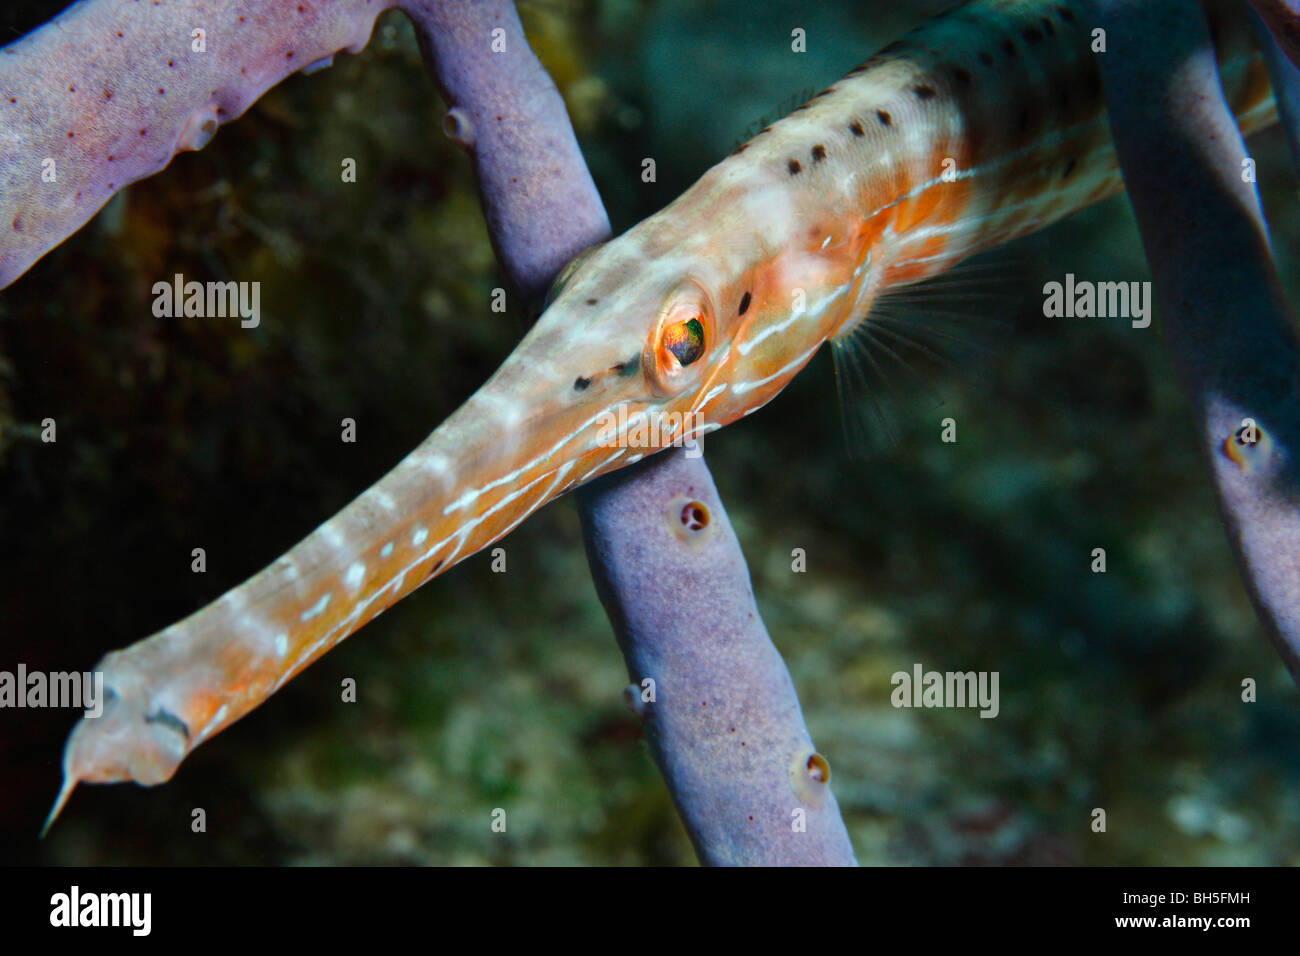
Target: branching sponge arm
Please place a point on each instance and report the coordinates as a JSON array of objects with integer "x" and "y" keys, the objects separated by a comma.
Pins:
[
  {"x": 725, "y": 725},
  {"x": 720, "y": 710},
  {"x": 1232, "y": 335},
  {"x": 107, "y": 93}
]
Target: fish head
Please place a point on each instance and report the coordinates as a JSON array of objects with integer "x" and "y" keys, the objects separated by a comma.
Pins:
[{"x": 673, "y": 334}]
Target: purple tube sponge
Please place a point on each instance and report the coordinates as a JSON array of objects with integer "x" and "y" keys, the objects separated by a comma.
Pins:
[
  {"x": 1231, "y": 333},
  {"x": 720, "y": 710},
  {"x": 107, "y": 93},
  {"x": 724, "y": 724}
]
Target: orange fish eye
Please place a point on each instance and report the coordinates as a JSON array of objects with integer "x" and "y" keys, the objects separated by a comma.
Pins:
[
  {"x": 685, "y": 340},
  {"x": 674, "y": 354}
]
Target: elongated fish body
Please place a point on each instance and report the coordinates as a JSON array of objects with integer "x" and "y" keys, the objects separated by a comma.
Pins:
[{"x": 983, "y": 125}]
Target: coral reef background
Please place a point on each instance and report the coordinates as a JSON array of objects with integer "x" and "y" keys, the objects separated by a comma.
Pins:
[{"x": 1118, "y": 690}]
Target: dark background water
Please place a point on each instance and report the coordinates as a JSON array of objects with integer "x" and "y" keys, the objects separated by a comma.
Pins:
[{"x": 485, "y": 690}]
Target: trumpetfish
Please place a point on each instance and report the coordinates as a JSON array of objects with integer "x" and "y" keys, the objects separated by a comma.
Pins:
[{"x": 981, "y": 125}]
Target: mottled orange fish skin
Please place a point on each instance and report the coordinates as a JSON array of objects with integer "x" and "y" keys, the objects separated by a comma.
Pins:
[{"x": 982, "y": 125}]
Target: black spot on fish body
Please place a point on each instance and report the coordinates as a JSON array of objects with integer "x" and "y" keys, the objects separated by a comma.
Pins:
[
  {"x": 885, "y": 118},
  {"x": 1009, "y": 48},
  {"x": 924, "y": 91},
  {"x": 580, "y": 383},
  {"x": 794, "y": 167},
  {"x": 1032, "y": 34},
  {"x": 744, "y": 304},
  {"x": 818, "y": 153},
  {"x": 961, "y": 75},
  {"x": 856, "y": 128},
  {"x": 1069, "y": 167},
  {"x": 986, "y": 58}
]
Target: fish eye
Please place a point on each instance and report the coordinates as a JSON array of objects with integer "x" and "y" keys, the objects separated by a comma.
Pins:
[
  {"x": 681, "y": 339},
  {"x": 685, "y": 340}
]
